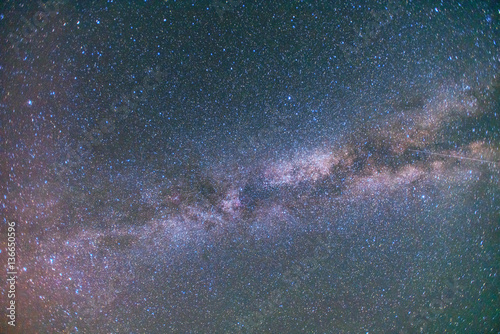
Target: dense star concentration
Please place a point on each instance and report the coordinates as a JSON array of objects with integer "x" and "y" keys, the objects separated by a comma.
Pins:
[{"x": 251, "y": 167}]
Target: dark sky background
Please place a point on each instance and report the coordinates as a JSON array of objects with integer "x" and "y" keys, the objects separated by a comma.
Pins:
[{"x": 251, "y": 167}]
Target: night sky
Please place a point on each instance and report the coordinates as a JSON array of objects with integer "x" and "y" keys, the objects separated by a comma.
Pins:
[{"x": 251, "y": 166}]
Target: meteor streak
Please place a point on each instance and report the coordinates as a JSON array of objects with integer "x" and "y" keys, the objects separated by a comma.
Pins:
[{"x": 456, "y": 157}]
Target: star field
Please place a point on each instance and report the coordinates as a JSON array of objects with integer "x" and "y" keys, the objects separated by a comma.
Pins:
[{"x": 251, "y": 167}]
